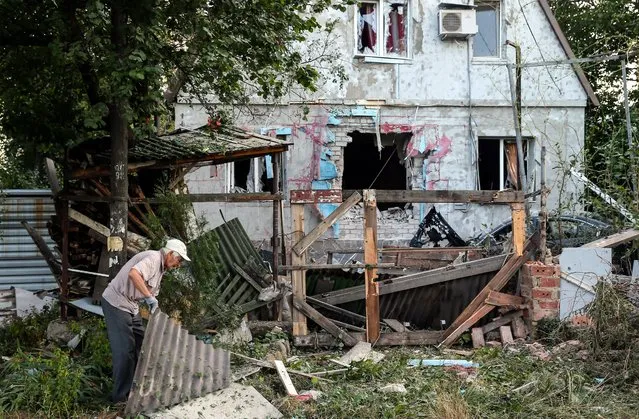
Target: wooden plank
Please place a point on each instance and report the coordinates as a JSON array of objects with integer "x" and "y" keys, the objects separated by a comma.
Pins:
[
  {"x": 329, "y": 196},
  {"x": 446, "y": 196},
  {"x": 518, "y": 227},
  {"x": 396, "y": 325},
  {"x": 334, "y": 266},
  {"x": 334, "y": 309},
  {"x": 302, "y": 245},
  {"x": 135, "y": 242},
  {"x": 371, "y": 257},
  {"x": 496, "y": 284},
  {"x": 496, "y": 298},
  {"x": 322, "y": 321},
  {"x": 501, "y": 321},
  {"x": 419, "y": 338},
  {"x": 519, "y": 327},
  {"x": 614, "y": 239},
  {"x": 466, "y": 324},
  {"x": 298, "y": 277},
  {"x": 246, "y": 276},
  {"x": 348, "y": 326},
  {"x": 506, "y": 335},
  {"x": 478, "y": 337},
  {"x": 416, "y": 280},
  {"x": 218, "y": 197},
  {"x": 285, "y": 378}
]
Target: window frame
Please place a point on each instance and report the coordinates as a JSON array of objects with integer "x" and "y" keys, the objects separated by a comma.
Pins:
[
  {"x": 381, "y": 56},
  {"x": 229, "y": 172},
  {"x": 500, "y": 32},
  {"x": 529, "y": 160}
]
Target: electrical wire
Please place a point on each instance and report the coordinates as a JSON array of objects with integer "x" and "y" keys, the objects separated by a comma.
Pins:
[{"x": 384, "y": 166}]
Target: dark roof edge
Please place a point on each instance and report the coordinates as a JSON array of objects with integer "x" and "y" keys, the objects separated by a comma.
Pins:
[{"x": 566, "y": 46}]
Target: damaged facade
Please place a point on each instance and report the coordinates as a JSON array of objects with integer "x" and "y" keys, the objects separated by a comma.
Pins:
[{"x": 425, "y": 107}]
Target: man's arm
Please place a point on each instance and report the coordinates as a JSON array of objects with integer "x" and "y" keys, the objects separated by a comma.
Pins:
[{"x": 136, "y": 277}]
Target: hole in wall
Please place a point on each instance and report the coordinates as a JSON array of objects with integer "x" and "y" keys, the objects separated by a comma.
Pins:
[{"x": 366, "y": 168}]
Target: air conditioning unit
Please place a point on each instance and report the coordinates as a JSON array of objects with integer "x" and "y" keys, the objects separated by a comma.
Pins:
[{"x": 457, "y": 23}]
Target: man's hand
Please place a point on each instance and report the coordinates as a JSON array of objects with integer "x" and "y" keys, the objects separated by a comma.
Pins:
[{"x": 152, "y": 302}]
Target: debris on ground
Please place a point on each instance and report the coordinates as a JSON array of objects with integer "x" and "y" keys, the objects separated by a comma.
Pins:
[{"x": 360, "y": 352}]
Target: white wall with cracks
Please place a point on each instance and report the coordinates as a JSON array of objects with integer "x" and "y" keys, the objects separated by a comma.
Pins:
[{"x": 442, "y": 97}]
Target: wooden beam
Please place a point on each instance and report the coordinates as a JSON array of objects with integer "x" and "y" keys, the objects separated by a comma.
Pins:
[
  {"x": 285, "y": 378},
  {"x": 518, "y": 227},
  {"x": 322, "y": 321},
  {"x": 496, "y": 284},
  {"x": 419, "y": 338},
  {"x": 247, "y": 277},
  {"x": 302, "y": 245},
  {"x": 135, "y": 242},
  {"x": 307, "y": 196},
  {"x": 506, "y": 335},
  {"x": 370, "y": 257},
  {"x": 421, "y": 279},
  {"x": 501, "y": 299},
  {"x": 446, "y": 196},
  {"x": 348, "y": 326},
  {"x": 334, "y": 266},
  {"x": 334, "y": 309},
  {"x": 466, "y": 324},
  {"x": 519, "y": 327},
  {"x": 298, "y": 277},
  {"x": 614, "y": 239},
  {"x": 501, "y": 321}
]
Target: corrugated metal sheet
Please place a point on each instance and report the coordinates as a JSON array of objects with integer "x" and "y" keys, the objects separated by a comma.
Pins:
[
  {"x": 225, "y": 246},
  {"x": 174, "y": 367},
  {"x": 21, "y": 264}
]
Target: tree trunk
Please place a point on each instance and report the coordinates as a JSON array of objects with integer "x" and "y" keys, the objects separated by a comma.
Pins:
[{"x": 116, "y": 243}]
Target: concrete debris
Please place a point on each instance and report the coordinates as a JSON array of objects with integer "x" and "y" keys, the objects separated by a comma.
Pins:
[
  {"x": 236, "y": 401},
  {"x": 537, "y": 350},
  {"x": 269, "y": 293},
  {"x": 393, "y": 388},
  {"x": 27, "y": 302},
  {"x": 493, "y": 344},
  {"x": 360, "y": 352},
  {"x": 568, "y": 347},
  {"x": 59, "y": 332},
  {"x": 278, "y": 350},
  {"x": 238, "y": 336}
]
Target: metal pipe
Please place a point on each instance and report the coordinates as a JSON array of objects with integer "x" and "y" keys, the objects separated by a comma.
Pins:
[
  {"x": 276, "y": 228},
  {"x": 633, "y": 160},
  {"x": 543, "y": 213}
]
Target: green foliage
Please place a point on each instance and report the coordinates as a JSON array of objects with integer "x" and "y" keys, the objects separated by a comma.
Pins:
[
  {"x": 52, "y": 384},
  {"x": 16, "y": 172},
  {"x": 72, "y": 69},
  {"x": 95, "y": 349},
  {"x": 26, "y": 333}
]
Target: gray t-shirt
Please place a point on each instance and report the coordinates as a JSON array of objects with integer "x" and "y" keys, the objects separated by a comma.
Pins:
[{"x": 121, "y": 292}]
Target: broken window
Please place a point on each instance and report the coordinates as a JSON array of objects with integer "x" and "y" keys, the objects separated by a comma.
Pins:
[
  {"x": 486, "y": 42},
  {"x": 391, "y": 27},
  {"x": 498, "y": 163},
  {"x": 252, "y": 175},
  {"x": 366, "y": 168}
]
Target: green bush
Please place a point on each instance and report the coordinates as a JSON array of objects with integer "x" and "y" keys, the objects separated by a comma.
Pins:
[
  {"x": 26, "y": 333},
  {"x": 52, "y": 385}
]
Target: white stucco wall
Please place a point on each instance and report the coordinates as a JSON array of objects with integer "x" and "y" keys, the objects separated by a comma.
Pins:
[{"x": 443, "y": 95}]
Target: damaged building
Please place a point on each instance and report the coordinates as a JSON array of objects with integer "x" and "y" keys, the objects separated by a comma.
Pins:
[{"x": 428, "y": 105}]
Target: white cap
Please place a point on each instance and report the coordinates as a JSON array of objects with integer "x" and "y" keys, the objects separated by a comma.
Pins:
[{"x": 178, "y": 247}]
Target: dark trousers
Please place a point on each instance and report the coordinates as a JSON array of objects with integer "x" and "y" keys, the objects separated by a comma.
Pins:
[{"x": 126, "y": 333}]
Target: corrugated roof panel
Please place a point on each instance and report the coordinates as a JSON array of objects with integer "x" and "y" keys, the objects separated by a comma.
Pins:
[
  {"x": 174, "y": 367},
  {"x": 21, "y": 264}
]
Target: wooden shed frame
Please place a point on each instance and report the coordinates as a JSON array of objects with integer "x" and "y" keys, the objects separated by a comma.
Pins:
[{"x": 302, "y": 242}]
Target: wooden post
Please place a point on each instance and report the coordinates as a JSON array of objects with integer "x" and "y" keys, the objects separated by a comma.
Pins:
[
  {"x": 543, "y": 212},
  {"x": 298, "y": 277},
  {"x": 519, "y": 227},
  {"x": 63, "y": 212},
  {"x": 370, "y": 258},
  {"x": 276, "y": 228}
]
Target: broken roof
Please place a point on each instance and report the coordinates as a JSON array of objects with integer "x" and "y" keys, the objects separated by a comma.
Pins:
[{"x": 179, "y": 148}]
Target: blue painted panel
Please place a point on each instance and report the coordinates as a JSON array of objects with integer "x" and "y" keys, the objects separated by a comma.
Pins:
[
  {"x": 269, "y": 166},
  {"x": 328, "y": 170},
  {"x": 320, "y": 185},
  {"x": 326, "y": 210}
]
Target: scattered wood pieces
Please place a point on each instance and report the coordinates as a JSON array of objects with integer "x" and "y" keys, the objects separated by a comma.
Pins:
[
  {"x": 322, "y": 321},
  {"x": 285, "y": 378},
  {"x": 420, "y": 337},
  {"x": 267, "y": 364},
  {"x": 396, "y": 325},
  {"x": 501, "y": 321},
  {"x": 501, "y": 299},
  {"x": 506, "y": 335},
  {"x": 477, "y": 335},
  {"x": 519, "y": 327}
]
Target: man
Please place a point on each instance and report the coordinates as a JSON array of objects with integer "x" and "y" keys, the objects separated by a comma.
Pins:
[{"x": 138, "y": 280}]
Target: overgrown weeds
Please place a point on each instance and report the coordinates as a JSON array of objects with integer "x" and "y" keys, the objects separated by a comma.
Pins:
[{"x": 26, "y": 332}]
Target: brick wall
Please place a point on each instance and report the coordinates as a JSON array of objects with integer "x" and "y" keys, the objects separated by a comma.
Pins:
[{"x": 540, "y": 283}]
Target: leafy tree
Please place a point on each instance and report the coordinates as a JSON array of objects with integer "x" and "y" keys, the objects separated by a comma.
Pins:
[
  {"x": 80, "y": 69},
  {"x": 596, "y": 27}
]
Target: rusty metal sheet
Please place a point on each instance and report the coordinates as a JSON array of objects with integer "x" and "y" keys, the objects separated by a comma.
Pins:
[
  {"x": 174, "y": 367},
  {"x": 320, "y": 196}
]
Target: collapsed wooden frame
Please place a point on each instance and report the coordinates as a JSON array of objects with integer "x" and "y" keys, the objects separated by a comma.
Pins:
[{"x": 371, "y": 288}]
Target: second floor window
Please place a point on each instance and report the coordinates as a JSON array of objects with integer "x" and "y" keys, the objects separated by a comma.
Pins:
[
  {"x": 487, "y": 41},
  {"x": 382, "y": 28}
]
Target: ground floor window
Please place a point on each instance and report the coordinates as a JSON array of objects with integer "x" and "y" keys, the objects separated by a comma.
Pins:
[{"x": 497, "y": 162}]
